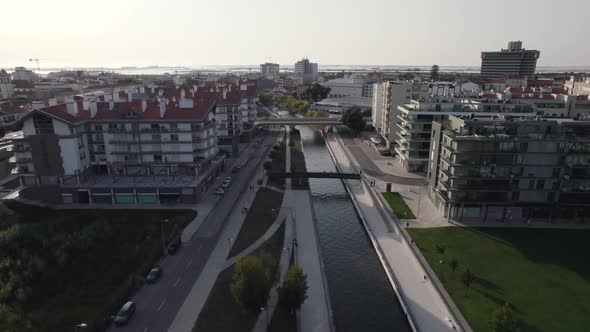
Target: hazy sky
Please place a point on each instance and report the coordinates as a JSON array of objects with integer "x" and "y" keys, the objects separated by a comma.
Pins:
[{"x": 218, "y": 32}]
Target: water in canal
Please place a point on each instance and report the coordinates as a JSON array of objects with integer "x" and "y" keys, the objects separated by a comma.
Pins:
[{"x": 361, "y": 296}]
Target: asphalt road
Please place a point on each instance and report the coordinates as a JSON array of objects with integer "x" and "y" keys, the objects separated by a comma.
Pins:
[
  {"x": 158, "y": 304},
  {"x": 369, "y": 166}
]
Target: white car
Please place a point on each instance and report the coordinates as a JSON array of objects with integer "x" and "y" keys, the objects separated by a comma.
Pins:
[
  {"x": 225, "y": 183},
  {"x": 219, "y": 191}
]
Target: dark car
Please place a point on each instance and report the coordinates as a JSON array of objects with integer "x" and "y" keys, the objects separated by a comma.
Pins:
[
  {"x": 125, "y": 314},
  {"x": 236, "y": 169},
  {"x": 174, "y": 245},
  {"x": 154, "y": 275}
]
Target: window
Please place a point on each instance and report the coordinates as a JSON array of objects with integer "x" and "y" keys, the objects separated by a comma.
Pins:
[
  {"x": 540, "y": 184},
  {"x": 98, "y": 127},
  {"x": 157, "y": 157},
  {"x": 155, "y": 126},
  {"x": 156, "y": 137},
  {"x": 174, "y": 138},
  {"x": 173, "y": 126},
  {"x": 555, "y": 172}
]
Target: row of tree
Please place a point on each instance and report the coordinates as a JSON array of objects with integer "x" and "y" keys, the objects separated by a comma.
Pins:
[
  {"x": 253, "y": 278},
  {"x": 355, "y": 119}
]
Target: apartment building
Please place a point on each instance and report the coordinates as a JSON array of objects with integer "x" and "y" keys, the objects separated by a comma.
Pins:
[
  {"x": 270, "y": 71},
  {"x": 377, "y": 106},
  {"x": 307, "y": 70},
  {"x": 6, "y": 86},
  {"x": 510, "y": 169},
  {"x": 514, "y": 60},
  {"x": 578, "y": 85},
  {"x": 413, "y": 122},
  {"x": 148, "y": 151},
  {"x": 394, "y": 94}
]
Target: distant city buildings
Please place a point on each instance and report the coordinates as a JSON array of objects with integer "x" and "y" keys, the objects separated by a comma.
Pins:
[
  {"x": 270, "y": 71},
  {"x": 6, "y": 86},
  {"x": 307, "y": 70},
  {"x": 514, "y": 60}
]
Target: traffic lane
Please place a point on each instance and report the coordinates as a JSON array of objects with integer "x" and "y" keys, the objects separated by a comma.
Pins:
[{"x": 158, "y": 304}]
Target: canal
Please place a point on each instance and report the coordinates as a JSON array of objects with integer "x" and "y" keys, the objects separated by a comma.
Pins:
[{"x": 361, "y": 296}]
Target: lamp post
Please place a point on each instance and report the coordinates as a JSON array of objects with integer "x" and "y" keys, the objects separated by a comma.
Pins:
[
  {"x": 162, "y": 235},
  {"x": 82, "y": 325},
  {"x": 265, "y": 310},
  {"x": 229, "y": 239}
]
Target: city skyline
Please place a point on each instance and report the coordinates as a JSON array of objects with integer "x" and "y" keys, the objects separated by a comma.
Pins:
[{"x": 136, "y": 33}]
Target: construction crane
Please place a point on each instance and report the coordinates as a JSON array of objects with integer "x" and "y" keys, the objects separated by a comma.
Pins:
[{"x": 36, "y": 60}]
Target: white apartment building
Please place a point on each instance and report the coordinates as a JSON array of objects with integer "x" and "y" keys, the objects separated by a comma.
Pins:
[
  {"x": 377, "y": 106},
  {"x": 578, "y": 85},
  {"x": 306, "y": 69},
  {"x": 394, "y": 94},
  {"x": 270, "y": 71},
  {"x": 24, "y": 74}
]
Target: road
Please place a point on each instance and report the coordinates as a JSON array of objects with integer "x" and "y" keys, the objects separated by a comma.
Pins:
[
  {"x": 369, "y": 166},
  {"x": 158, "y": 304}
]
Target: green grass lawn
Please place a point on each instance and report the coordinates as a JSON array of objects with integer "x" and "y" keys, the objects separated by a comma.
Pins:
[
  {"x": 543, "y": 274},
  {"x": 89, "y": 261},
  {"x": 399, "y": 207},
  {"x": 261, "y": 215}
]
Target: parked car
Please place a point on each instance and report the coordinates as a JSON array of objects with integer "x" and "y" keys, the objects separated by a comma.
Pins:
[
  {"x": 125, "y": 314},
  {"x": 154, "y": 275},
  {"x": 226, "y": 182},
  {"x": 219, "y": 191},
  {"x": 174, "y": 245},
  {"x": 236, "y": 169}
]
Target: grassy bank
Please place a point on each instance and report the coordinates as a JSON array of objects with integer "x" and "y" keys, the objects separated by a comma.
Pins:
[
  {"x": 81, "y": 265},
  {"x": 542, "y": 274},
  {"x": 399, "y": 207},
  {"x": 261, "y": 215}
]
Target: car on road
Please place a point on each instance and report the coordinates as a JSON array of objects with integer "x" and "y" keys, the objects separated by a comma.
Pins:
[
  {"x": 154, "y": 275},
  {"x": 174, "y": 245},
  {"x": 125, "y": 314},
  {"x": 226, "y": 182},
  {"x": 236, "y": 169},
  {"x": 219, "y": 191}
]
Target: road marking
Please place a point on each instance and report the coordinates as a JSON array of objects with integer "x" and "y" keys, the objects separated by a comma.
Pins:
[
  {"x": 161, "y": 305},
  {"x": 176, "y": 283},
  {"x": 145, "y": 330}
]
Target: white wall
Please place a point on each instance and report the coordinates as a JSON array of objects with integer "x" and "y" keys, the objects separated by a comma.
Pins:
[
  {"x": 377, "y": 105},
  {"x": 70, "y": 155}
]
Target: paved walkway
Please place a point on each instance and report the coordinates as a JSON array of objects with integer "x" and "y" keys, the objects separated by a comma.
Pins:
[
  {"x": 265, "y": 316},
  {"x": 420, "y": 297}
]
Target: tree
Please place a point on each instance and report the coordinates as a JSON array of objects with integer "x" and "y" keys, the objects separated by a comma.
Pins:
[
  {"x": 503, "y": 320},
  {"x": 316, "y": 92},
  {"x": 467, "y": 278},
  {"x": 251, "y": 283},
  {"x": 454, "y": 264},
  {"x": 367, "y": 112},
  {"x": 265, "y": 99},
  {"x": 293, "y": 292},
  {"x": 353, "y": 119},
  {"x": 434, "y": 72}
]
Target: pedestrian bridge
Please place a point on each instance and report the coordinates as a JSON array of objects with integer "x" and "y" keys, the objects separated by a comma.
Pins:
[
  {"x": 298, "y": 121},
  {"x": 317, "y": 175}
]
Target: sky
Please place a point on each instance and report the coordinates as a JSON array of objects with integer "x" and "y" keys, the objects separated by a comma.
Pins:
[{"x": 111, "y": 33}]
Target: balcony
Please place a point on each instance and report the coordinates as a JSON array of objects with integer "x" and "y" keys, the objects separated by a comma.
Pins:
[{"x": 23, "y": 160}]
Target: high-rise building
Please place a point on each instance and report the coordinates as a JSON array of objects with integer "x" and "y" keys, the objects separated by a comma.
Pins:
[
  {"x": 514, "y": 60},
  {"x": 394, "y": 94},
  {"x": 270, "y": 71},
  {"x": 307, "y": 69},
  {"x": 377, "y": 106}
]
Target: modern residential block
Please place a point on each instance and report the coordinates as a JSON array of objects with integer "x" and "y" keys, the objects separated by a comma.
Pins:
[
  {"x": 510, "y": 61},
  {"x": 503, "y": 168}
]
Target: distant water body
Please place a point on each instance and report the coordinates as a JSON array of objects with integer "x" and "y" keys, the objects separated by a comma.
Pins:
[{"x": 239, "y": 69}]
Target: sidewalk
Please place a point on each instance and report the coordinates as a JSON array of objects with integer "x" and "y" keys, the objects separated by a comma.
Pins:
[{"x": 426, "y": 307}]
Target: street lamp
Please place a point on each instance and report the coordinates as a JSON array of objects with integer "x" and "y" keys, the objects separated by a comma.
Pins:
[
  {"x": 162, "y": 234},
  {"x": 229, "y": 239},
  {"x": 79, "y": 325},
  {"x": 265, "y": 310}
]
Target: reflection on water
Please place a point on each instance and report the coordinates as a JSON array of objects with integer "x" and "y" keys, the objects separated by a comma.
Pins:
[{"x": 362, "y": 298}]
